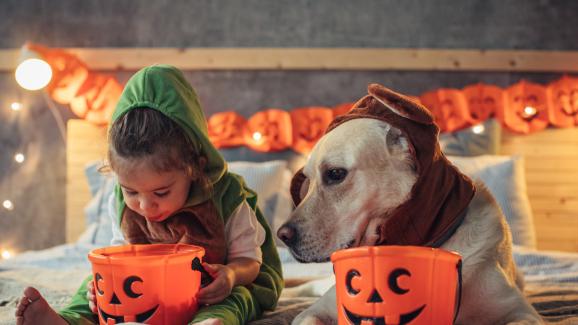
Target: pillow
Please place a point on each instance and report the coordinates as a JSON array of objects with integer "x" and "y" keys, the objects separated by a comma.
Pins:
[
  {"x": 98, "y": 225},
  {"x": 504, "y": 178},
  {"x": 271, "y": 180},
  {"x": 483, "y": 139}
]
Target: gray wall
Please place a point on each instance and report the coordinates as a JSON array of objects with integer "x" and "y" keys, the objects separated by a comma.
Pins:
[{"x": 37, "y": 186}]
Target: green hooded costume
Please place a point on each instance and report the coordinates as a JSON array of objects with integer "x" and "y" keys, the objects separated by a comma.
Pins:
[{"x": 165, "y": 89}]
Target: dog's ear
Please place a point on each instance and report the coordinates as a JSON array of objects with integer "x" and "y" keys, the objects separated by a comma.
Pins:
[
  {"x": 400, "y": 104},
  {"x": 299, "y": 186}
]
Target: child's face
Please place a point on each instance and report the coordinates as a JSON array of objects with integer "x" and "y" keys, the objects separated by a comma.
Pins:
[{"x": 152, "y": 194}]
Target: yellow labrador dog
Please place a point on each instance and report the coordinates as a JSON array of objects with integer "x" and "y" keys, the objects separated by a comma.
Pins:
[{"x": 377, "y": 178}]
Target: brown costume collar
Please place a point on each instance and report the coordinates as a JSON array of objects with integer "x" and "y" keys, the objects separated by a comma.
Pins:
[{"x": 441, "y": 194}]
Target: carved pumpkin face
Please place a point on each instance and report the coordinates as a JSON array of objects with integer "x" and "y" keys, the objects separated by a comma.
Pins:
[
  {"x": 448, "y": 107},
  {"x": 527, "y": 109},
  {"x": 393, "y": 285},
  {"x": 563, "y": 102},
  {"x": 309, "y": 125},
  {"x": 226, "y": 129},
  {"x": 484, "y": 101},
  {"x": 269, "y": 130},
  {"x": 149, "y": 286}
]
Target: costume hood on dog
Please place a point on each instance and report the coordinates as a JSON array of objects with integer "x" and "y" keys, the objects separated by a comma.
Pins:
[{"x": 438, "y": 201}]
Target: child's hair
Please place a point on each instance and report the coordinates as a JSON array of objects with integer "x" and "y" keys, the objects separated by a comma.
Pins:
[{"x": 146, "y": 134}]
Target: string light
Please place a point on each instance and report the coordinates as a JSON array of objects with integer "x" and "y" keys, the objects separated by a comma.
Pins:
[
  {"x": 19, "y": 157},
  {"x": 530, "y": 111},
  {"x": 478, "y": 129},
  {"x": 6, "y": 254},
  {"x": 16, "y": 106},
  {"x": 8, "y": 205},
  {"x": 33, "y": 74},
  {"x": 257, "y": 136}
]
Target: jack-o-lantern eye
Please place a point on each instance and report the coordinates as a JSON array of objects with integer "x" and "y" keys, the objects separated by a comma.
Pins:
[
  {"x": 348, "y": 279},
  {"x": 98, "y": 278},
  {"x": 392, "y": 281},
  {"x": 127, "y": 286}
]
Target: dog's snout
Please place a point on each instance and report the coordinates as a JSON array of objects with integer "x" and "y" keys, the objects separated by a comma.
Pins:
[{"x": 288, "y": 234}]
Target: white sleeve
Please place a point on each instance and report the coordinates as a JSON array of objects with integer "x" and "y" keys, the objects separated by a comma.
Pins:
[
  {"x": 244, "y": 234},
  {"x": 117, "y": 236}
]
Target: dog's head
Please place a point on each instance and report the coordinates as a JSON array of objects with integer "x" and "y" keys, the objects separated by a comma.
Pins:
[{"x": 362, "y": 168}]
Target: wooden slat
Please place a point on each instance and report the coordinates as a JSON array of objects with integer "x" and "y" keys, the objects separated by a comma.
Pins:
[
  {"x": 85, "y": 143},
  {"x": 551, "y": 160},
  {"x": 319, "y": 58}
]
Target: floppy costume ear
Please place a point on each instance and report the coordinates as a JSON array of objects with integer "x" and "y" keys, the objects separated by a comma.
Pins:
[{"x": 299, "y": 186}]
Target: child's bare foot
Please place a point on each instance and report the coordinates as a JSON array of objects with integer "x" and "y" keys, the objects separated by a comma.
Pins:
[{"x": 33, "y": 309}]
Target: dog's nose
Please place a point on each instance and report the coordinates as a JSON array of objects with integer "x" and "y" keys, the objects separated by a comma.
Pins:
[{"x": 288, "y": 234}]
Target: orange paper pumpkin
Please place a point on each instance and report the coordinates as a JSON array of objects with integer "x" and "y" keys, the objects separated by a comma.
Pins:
[
  {"x": 309, "y": 125},
  {"x": 269, "y": 130},
  {"x": 396, "y": 285},
  {"x": 341, "y": 109},
  {"x": 484, "y": 101},
  {"x": 91, "y": 95},
  {"x": 226, "y": 129},
  {"x": 449, "y": 108},
  {"x": 152, "y": 284},
  {"x": 526, "y": 110},
  {"x": 563, "y": 102}
]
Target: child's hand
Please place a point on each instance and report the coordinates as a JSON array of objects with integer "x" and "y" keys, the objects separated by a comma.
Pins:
[
  {"x": 220, "y": 288},
  {"x": 91, "y": 296}
]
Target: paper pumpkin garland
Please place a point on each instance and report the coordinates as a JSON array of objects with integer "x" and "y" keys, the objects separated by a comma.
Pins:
[
  {"x": 524, "y": 107},
  {"x": 309, "y": 125},
  {"x": 227, "y": 129},
  {"x": 527, "y": 107},
  {"x": 449, "y": 108},
  {"x": 563, "y": 102}
]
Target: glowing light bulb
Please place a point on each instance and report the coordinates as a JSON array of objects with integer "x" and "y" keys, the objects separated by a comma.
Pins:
[
  {"x": 19, "y": 157},
  {"x": 478, "y": 129},
  {"x": 16, "y": 106},
  {"x": 33, "y": 74},
  {"x": 6, "y": 254},
  {"x": 8, "y": 205},
  {"x": 530, "y": 111},
  {"x": 257, "y": 136}
]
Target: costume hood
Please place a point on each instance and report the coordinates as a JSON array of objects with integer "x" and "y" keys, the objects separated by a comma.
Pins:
[
  {"x": 438, "y": 200},
  {"x": 165, "y": 89}
]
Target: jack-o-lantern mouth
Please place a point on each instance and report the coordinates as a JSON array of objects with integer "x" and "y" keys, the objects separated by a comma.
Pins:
[
  {"x": 527, "y": 118},
  {"x": 403, "y": 318},
  {"x": 571, "y": 113},
  {"x": 140, "y": 318}
]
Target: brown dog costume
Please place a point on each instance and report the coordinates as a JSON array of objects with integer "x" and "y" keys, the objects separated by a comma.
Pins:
[{"x": 441, "y": 194}]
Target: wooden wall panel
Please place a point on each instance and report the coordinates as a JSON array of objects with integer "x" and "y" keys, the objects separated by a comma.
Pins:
[{"x": 551, "y": 161}]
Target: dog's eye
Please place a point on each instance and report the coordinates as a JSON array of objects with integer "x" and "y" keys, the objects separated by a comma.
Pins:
[{"x": 334, "y": 176}]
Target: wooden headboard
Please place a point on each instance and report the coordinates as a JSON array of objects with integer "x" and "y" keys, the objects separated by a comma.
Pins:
[{"x": 551, "y": 160}]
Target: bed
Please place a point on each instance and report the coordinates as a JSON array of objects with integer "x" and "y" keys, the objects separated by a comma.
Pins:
[{"x": 530, "y": 177}]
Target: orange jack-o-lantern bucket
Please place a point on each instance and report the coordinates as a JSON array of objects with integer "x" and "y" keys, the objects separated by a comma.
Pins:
[
  {"x": 396, "y": 285},
  {"x": 152, "y": 284}
]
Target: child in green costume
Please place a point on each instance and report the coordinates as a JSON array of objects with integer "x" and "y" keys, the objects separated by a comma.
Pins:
[{"x": 174, "y": 187}]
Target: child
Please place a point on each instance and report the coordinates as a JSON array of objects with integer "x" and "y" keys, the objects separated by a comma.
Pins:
[{"x": 173, "y": 187}]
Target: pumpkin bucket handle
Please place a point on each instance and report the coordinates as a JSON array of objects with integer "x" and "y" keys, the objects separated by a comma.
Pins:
[
  {"x": 206, "y": 278},
  {"x": 459, "y": 297}
]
